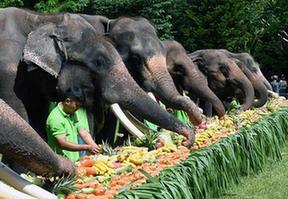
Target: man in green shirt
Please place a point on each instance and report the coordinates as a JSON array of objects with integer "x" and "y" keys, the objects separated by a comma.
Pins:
[{"x": 63, "y": 127}]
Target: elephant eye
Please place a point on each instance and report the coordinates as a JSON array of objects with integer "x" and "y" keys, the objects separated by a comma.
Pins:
[
  {"x": 135, "y": 60},
  {"x": 224, "y": 69},
  {"x": 179, "y": 69},
  {"x": 99, "y": 61}
]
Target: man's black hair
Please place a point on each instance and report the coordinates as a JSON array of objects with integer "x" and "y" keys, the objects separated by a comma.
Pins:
[{"x": 75, "y": 94}]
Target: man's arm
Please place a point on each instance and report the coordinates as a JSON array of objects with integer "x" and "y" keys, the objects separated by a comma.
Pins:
[
  {"x": 85, "y": 135},
  {"x": 64, "y": 144}
]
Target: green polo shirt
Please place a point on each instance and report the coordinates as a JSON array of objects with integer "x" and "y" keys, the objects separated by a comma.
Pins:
[{"x": 60, "y": 123}]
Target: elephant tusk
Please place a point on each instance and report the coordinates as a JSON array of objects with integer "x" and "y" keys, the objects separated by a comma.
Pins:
[
  {"x": 273, "y": 94},
  {"x": 152, "y": 96},
  {"x": 22, "y": 185},
  {"x": 118, "y": 112},
  {"x": 137, "y": 123},
  {"x": 11, "y": 193}
]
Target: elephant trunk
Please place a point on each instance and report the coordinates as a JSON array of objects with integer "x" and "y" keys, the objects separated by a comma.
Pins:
[
  {"x": 259, "y": 88},
  {"x": 166, "y": 91},
  {"x": 126, "y": 92},
  {"x": 197, "y": 83},
  {"x": 264, "y": 80},
  {"x": 208, "y": 95},
  {"x": 261, "y": 93},
  {"x": 239, "y": 79},
  {"x": 20, "y": 143}
]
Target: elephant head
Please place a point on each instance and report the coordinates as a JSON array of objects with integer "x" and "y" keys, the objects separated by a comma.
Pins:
[
  {"x": 222, "y": 74},
  {"x": 19, "y": 142},
  {"x": 75, "y": 54},
  {"x": 145, "y": 57},
  {"x": 187, "y": 75},
  {"x": 251, "y": 69}
]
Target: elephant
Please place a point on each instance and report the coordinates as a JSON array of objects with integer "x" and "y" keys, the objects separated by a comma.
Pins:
[
  {"x": 145, "y": 57},
  {"x": 15, "y": 131},
  {"x": 187, "y": 76},
  {"x": 251, "y": 69},
  {"x": 223, "y": 75},
  {"x": 15, "y": 25},
  {"x": 65, "y": 41},
  {"x": 138, "y": 103}
]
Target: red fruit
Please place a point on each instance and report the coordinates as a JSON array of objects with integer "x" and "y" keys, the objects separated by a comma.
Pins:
[
  {"x": 117, "y": 164},
  {"x": 202, "y": 126}
]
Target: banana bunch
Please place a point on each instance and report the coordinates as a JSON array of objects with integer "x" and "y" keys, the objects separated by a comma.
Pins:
[
  {"x": 136, "y": 158},
  {"x": 160, "y": 152},
  {"x": 165, "y": 149},
  {"x": 150, "y": 156},
  {"x": 202, "y": 137},
  {"x": 169, "y": 148},
  {"x": 227, "y": 123},
  {"x": 132, "y": 154},
  {"x": 128, "y": 163},
  {"x": 104, "y": 168}
]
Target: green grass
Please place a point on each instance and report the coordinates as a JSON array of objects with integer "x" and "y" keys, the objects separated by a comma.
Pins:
[{"x": 272, "y": 183}]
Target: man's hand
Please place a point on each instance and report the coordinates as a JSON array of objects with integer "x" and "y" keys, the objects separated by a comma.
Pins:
[{"x": 93, "y": 148}]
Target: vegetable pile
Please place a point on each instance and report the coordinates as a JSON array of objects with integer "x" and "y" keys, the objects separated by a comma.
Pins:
[{"x": 225, "y": 148}]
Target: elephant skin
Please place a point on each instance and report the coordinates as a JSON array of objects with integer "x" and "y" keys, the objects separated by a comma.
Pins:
[
  {"x": 187, "y": 75},
  {"x": 145, "y": 57},
  {"x": 252, "y": 70},
  {"x": 131, "y": 97},
  {"x": 15, "y": 26},
  {"x": 47, "y": 47},
  {"x": 19, "y": 142},
  {"x": 224, "y": 76}
]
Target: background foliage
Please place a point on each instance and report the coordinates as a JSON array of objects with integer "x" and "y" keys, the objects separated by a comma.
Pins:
[{"x": 256, "y": 26}]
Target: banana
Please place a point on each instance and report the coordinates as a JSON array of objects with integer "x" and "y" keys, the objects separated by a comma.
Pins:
[
  {"x": 136, "y": 161},
  {"x": 127, "y": 163}
]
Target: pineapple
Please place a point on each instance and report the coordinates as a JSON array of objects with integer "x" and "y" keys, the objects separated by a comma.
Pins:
[
  {"x": 64, "y": 185},
  {"x": 106, "y": 149},
  {"x": 149, "y": 140}
]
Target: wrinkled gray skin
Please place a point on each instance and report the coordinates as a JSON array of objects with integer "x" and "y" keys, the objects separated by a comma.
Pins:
[
  {"x": 125, "y": 92},
  {"x": 251, "y": 69},
  {"x": 15, "y": 25},
  {"x": 224, "y": 76},
  {"x": 69, "y": 39},
  {"x": 187, "y": 76},
  {"x": 33, "y": 154},
  {"x": 145, "y": 57}
]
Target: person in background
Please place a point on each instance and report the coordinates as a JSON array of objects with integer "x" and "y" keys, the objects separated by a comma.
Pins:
[
  {"x": 63, "y": 128},
  {"x": 282, "y": 86},
  {"x": 275, "y": 84}
]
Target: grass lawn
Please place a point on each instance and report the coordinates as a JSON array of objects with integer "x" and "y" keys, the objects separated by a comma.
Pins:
[{"x": 272, "y": 183}]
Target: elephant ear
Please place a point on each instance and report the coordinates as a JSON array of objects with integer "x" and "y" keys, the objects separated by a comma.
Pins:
[{"x": 45, "y": 49}]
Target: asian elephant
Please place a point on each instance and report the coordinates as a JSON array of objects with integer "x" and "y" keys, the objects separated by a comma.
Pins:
[
  {"x": 145, "y": 57},
  {"x": 187, "y": 76},
  {"x": 35, "y": 153},
  {"x": 15, "y": 25},
  {"x": 252, "y": 70},
  {"x": 224, "y": 76},
  {"x": 66, "y": 40}
]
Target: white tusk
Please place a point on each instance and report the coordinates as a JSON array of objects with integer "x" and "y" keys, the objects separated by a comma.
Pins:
[
  {"x": 273, "y": 94},
  {"x": 22, "y": 185},
  {"x": 125, "y": 121},
  {"x": 137, "y": 123},
  {"x": 152, "y": 96},
  {"x": 8, "y": 192}
]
